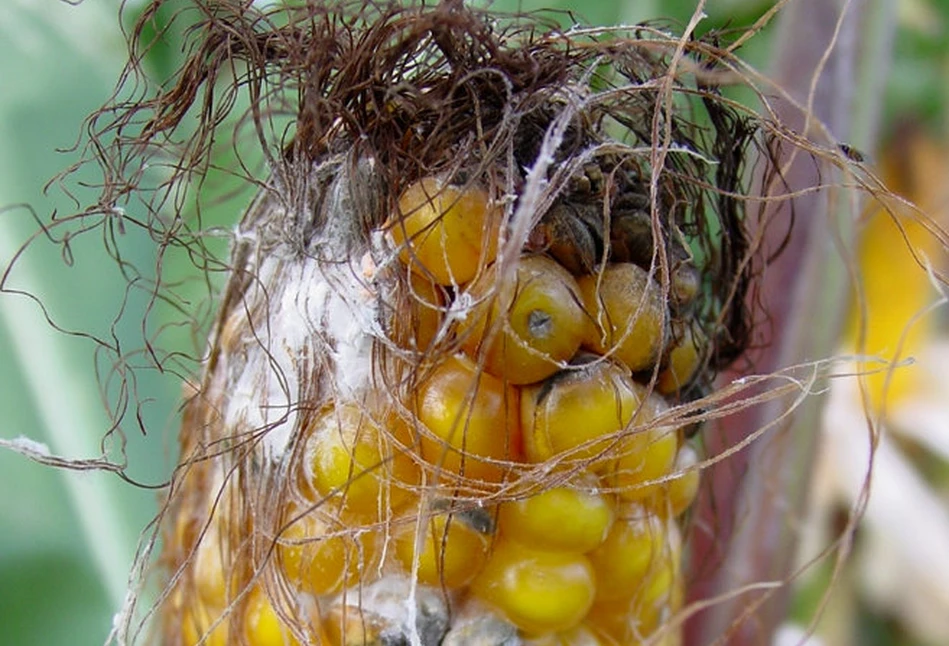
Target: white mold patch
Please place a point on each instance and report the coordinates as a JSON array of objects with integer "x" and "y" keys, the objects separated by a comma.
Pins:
[{"x": 305, "y": 325}]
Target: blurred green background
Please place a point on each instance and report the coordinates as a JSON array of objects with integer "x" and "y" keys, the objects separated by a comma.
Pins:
[{"x": 67, "y": 539}]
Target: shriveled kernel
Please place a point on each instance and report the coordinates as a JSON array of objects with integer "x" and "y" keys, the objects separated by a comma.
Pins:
[
  {"x": 636, "y": 546},
  {"x": 473, "y": 417},
  {"x": 565, "y": 518},
  {"x": 450, "y": 551},
  {"x": 526, "y": 331},
  {"x": 684, "y": 359},
  {"x": 262, "y": 625},
  {"x": 353, "y": 460},
  {"x": 628, "y": 315},
  {"x": 570, "y": 411},
  {"x": 479, "y": 626},
  {"x": 447, "y": 232},
  {"x": 319, "y": 554},
  {"x": 539, "y": 592},
  {"x": 570, "y": 233},
  {"x": 686, "y": 284}
]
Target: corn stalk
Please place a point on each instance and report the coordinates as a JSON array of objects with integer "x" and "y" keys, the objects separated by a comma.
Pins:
[{"x": 756, "y": 500}]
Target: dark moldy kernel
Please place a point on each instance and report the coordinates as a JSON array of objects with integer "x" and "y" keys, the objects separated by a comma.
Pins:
[{"x": 477, "y": 518}]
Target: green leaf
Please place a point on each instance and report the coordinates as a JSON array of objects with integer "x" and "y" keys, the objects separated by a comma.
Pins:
[{"x": 68, "y": 538}]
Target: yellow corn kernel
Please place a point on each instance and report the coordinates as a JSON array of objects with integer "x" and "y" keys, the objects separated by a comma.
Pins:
[
  {"x": 216, "y": 579},
  {"x": 474, "y": 418},
  {"x": 635, "y": 620},
  {"x": 636, "y": 546},
  {"x": 614, "y": 622},
  {"x": 262, "y": 625},
  {"x": 684, "y": 360},
  {"x": 678, "y": 494},
  {"x": 445, "y": 232},
  {"x": 629, "y": 317},
  {"x": 197, "y": 622},
  {"x": 427, "y": 313},
  {"x": 418, "y": 313},
  {"x": 565, "y": 518},
  {"x": 651, "y": 606},
  {"x": 208, "y": 570},
  {"x": 349, "y": 625},
  {"x": 579, "y": 636},
  {"x": 661, "y": 595},
  {"x": 452, "y": 552},
  {"x": 526, "y": 333},
  {"x": 350, "y": 457},
  {"x": 320, "y": 554},
  {"x": 539, "y": 592},
  {"x": 618, "y": 622},
  {"x": 644, "y": 457},
  {"x": 574, "y": 408}
]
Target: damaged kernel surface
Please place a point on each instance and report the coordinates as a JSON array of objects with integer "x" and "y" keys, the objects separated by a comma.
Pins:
[
  {"x": 527, "y": 332},
  {"x": 629, "y": 316}
]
